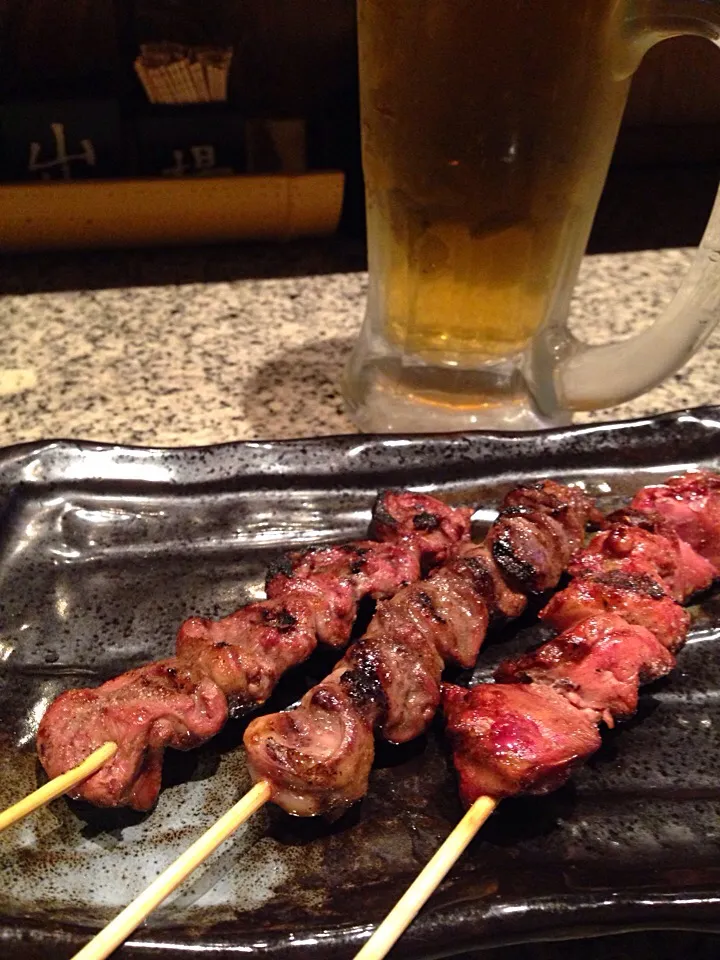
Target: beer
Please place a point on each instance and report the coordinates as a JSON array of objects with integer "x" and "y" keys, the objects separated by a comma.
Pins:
[{"x": 488, "y": 126}]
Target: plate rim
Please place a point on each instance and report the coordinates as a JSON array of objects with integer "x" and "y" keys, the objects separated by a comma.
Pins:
[{"x": 472, "y": 924}]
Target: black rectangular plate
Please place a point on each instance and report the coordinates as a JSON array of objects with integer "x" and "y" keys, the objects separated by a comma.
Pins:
[{"x": 105, "y": 550}]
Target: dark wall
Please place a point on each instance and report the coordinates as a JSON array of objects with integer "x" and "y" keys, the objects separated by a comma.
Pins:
[
  {"x": 57, "y": 48},
  {"x": 292, "y": 57}
]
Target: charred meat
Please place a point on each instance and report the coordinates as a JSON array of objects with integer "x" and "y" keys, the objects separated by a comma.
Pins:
[
  {"x": 620, "y": 627},
  {"x": 598, "y": 664},
  {"x": 399, "y": 516},
  {"x": 636, "y": 551},
  {"x": 691, "y": 505},
  {"x": 164, "y": 704},
  {"x": 512, "y": 738},
  {"x": 639, "y": 599},
  {"x": 229, "y": 665},
  {"x": 390, "y": 679}
]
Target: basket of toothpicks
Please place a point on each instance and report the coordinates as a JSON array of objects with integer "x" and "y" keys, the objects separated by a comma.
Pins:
[{"x": 172, "y": 73}]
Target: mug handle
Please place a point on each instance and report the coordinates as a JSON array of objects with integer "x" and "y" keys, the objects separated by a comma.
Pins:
[{"x": 587, "y": 377}]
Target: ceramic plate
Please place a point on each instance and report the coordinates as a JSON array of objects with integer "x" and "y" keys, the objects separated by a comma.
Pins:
[{"x": 105, "y": 550}]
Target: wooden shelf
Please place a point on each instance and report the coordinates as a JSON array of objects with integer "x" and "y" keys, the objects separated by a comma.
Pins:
[{"x": 125, "y": 213}]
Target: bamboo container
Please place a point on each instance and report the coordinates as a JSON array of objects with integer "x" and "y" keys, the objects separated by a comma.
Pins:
[{"x": 119, "y": 213}]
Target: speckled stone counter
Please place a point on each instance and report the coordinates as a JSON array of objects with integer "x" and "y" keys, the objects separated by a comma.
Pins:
[{"x": 204, "y": 346}]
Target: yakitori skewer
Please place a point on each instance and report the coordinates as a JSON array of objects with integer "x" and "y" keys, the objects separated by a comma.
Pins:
[
  {"x": 232, "y": 665},
  {"x": 57, "y": 786},
  {"x": 390, "y": 679},
  {"x": 426, "y": 882},
  {"x": 314, "y": 595},
  {"x": 129, "y": 919},
  {"x": 526, "y": 732}
]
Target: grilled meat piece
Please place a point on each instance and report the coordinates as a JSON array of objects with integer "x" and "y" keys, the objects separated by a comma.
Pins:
[
  {"x": 690, "y": 504},
  {"x": 570, "y": 506},
  {"x": 163, "y": 704},
  {"x": 247, "y": 652},
  {"x": 314, "y": 597},
  {"x": 391, "y": 678},
  {"x": 332, "y": 601},
  {"x": 399, "y": 515},
  {"x": 700, "y": 570},
  {"x": 373, "y": 569},
  {"x": 537, "y": 531},
  {"x": 631, "y": 517},
  {"x": 639, "y": 600},
  {"x": 515, "y": 738},
  {"x": 399, "y": 677},
  {"x": 392, "y": 675},
  {"x": 444, "y": 609},
  {"x": 318, "y": 756},
  {"x": 597, "y": 664},
  {"x": 530, "y": 547},
  {"x": 332, "y": 580},
  {"x": 635, "y": 551},
  {"x": 476, "y": 564}
]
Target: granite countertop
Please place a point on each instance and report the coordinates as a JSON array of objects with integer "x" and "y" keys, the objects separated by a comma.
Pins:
[{"x": 204, "y": 346}]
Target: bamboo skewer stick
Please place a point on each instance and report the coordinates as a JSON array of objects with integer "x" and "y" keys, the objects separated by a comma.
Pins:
[
  {"x": 164, "y": 74},
  {"x": 173, "y": 73},
  {"x": 426, "y": 882},
  {"x": 111, "y": 936},
  {"x": 197, "y": 73},
  {"x": 57, "y": 786},
  {"x": 182, "y": 81},
  {"x": 147, "y": 80},
  {"x": 161, "y": 83},
  {"x": 381, "y": 941}
]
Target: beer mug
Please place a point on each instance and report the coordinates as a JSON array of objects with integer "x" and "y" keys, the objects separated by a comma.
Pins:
[{"x": 487, "y": 129}]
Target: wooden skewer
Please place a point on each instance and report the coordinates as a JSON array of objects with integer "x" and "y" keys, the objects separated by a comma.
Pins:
[
  {"x": 111, "y": 936},
  {"x": 57, "y": 786},
  {"x": 426, "y": 882},
  {"x": 146, "y": 79},
  {"x": 197, "y": 73}
]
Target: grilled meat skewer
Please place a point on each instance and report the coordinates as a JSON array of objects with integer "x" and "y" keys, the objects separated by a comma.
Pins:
[
  {"x": 317, "y": 756},
  {"x": 621, "y": 627},
  {"x": 229, "y": 665}
]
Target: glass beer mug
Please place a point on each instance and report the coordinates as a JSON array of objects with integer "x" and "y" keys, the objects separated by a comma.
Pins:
[{"x": 488, "y": 127}]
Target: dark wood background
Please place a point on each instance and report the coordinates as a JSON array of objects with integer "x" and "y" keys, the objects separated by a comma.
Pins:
[
  {"x": 293, "y": 57},
  {"x": 296, "y": 58}
]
